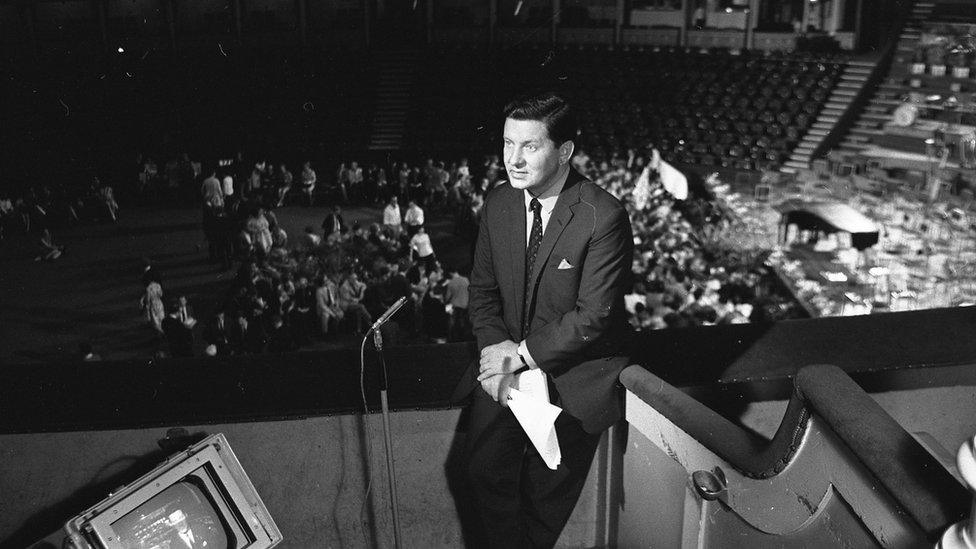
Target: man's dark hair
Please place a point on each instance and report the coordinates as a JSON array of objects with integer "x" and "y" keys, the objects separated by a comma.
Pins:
[{"x": 550, "y": 109}]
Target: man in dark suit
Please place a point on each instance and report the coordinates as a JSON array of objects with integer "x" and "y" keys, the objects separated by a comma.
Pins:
[
  {"x": 177, "y": 332},
  {"x": 333, "y": 222},
  {"x": 551, "y": 267}
]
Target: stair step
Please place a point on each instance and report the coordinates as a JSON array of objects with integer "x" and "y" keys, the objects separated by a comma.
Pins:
[
  {"x": 831, "y": 119},
  {"x": 884, "y": 101},
  {"x": 858, "y": 79},
  {"x": 795, "y": 165},
  {"x": 817, "y": 132},
  {"x": 876, "y": 117},
  {"x": 822, "y": 126},
  {"x": 848, "y": 85},
  {"x": 865, "y": 132},
  {"x": 844, "y": 93},
  {"x": 832, "y": 111}
]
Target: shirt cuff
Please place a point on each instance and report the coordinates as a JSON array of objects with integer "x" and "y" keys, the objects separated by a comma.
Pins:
[{"x": 523, "y": 351}]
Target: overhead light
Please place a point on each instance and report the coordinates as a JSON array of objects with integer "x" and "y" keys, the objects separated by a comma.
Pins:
[
  {"x": 518, "y": 7},
  {"x": 121, "y": 49}
]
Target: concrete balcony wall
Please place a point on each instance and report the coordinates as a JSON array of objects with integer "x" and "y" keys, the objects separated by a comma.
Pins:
[
  {"x": 716, "y": 39},
  {"x": 650, "y": 37},
  {"x": 656, "y": 18},
  {"x": 771, "y": 41}
]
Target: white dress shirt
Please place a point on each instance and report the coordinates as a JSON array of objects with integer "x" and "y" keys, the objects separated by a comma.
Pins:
[
  {"x": 391, "y": 215},
  {"x": 548, "y": 202}
]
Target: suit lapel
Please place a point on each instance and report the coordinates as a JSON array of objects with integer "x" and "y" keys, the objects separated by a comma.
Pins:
[
  {"x": 562, "y": 213},
  {"x": 516, "y": 232}
]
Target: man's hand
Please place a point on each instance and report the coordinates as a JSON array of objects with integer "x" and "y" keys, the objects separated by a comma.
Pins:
[
  {"x": 498, "y": 359},
  {"x": 498, "y": 387}
]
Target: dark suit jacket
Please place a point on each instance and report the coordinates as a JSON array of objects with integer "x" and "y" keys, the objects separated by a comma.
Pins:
[
  {"x": 578, "y": 327},
  {"x": 330, "y": 221}
]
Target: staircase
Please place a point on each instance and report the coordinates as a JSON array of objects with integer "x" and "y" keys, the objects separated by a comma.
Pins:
[
  {"x": 396, "y": 72},
  {"x": 888, "y": 94},
  {"x": 841, "y": 98}
]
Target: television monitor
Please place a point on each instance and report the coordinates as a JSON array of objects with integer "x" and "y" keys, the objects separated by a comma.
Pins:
[{"x": 198, "y": 498}]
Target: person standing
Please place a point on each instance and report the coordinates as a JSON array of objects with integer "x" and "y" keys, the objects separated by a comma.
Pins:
[
  {"x": 551, "y": 267},
  {"x": 212, "y": 191},
  {"x": 178, "y": 332},
  {"x": 333, "y": 223},
  {"x": 308, "y": 182},
  {"x": 421, "y": 250},
  {"x": 284, "y": 181},
  {"x": 413, "y": 218},
  {"x": 391, "y": 216},
  {"x": 456, "y": 298},
  {"x": 327, "y": 304},
  {"x": 152, "y": 304}
]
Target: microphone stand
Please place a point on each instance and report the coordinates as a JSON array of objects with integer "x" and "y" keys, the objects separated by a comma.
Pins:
[{"x": 391, "y": 470}]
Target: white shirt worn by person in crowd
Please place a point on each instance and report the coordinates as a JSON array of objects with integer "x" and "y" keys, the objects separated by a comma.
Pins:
[
  {"x": 228, "y": 185},
  {"x": 212, "y": 192},
  {"x": 391, "y": 215},
  {"x": 414, "y": 216},
  {"x": 456, "y": 292},
  {"x": 420, "y": 243}
]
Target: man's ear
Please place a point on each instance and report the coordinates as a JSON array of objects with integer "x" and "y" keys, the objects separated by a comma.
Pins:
[{"x": 566, "y": 151}]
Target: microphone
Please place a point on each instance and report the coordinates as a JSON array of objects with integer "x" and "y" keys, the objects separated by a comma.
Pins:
[{"x": 389, "y": 312}]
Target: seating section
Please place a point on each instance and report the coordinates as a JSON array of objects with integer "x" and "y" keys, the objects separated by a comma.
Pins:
[
  {"x": 210, "y": 100},
  {"x": 705, "y": 108}
]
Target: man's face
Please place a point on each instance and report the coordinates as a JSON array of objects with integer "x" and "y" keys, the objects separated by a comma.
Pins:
[{"x": 531, "y": 158}]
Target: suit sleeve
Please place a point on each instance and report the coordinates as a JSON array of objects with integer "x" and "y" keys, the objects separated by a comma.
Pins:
[
  {"x": 484, "y": 295},
  {"x": 605, "y": 274}
]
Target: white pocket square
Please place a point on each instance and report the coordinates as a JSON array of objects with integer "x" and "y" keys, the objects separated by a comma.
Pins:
[{"x": 564, "y": 265}]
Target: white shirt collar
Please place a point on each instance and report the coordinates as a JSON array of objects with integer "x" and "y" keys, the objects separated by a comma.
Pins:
[{"x": 548, "y": 198}]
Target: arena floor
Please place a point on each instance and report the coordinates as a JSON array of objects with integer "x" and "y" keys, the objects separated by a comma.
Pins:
[{"x": 92, "y": 292}]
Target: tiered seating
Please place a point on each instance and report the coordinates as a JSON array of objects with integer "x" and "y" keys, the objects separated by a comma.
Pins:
[
  {"x": 103, "y": 110},
  {"x": 449, "y": 104},
  {"x": 713, "y": 108},
  {"x": 709, "y": 109}
]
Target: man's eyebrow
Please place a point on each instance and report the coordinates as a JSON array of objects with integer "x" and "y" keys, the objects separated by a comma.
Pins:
[{"x": 526, "y": 142}]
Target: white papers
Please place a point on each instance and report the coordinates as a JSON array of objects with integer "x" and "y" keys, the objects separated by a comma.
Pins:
[{"x": 529, "y": 402}]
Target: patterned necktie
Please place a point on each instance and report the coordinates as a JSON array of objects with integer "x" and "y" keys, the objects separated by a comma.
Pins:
[{"x": 535, "y": 239}]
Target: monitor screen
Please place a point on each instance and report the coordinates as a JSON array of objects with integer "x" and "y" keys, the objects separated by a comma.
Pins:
[
  {"x": 179, "y": 517},
  {"x": 200, "y": 497}
]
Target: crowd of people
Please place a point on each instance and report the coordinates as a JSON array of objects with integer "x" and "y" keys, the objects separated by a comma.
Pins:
[
  {"x": 333, "y": 280},
  {"x": 42, "y": 210},
  {"x": 684, "y": 275}
]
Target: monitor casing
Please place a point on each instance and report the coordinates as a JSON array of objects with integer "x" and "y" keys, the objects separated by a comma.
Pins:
[{"x": 214, "y": 463}]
